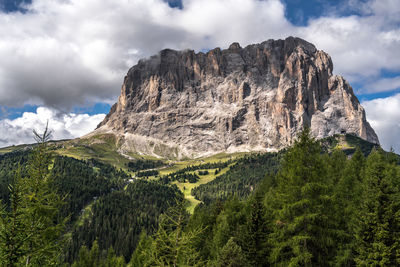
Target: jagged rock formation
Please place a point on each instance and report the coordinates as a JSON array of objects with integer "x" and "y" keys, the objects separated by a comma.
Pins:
[{"x": 182, "y": 103}]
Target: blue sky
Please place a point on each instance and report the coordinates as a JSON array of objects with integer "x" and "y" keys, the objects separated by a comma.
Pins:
[{"x": 57, "y": 57}]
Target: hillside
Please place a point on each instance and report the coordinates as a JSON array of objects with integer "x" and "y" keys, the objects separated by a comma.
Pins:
[{"x": 114, "y": 205}]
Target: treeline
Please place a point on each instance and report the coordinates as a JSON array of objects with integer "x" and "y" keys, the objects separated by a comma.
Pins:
[
  {"x": 209, "y": 165},
  {"x": 301, "y": 207},
  {"x": 320, "y": 210},
  {"x": 179, "y": 176},
  {"x": 117, "y": 219},
  {"x": 144, "y": 164},
  {"x": 188, "y": 173},
  {"x": 147, "y": 173},
  {"x": 80, "y": 183},
  {"x": 81, "y": 201},
  {"x": 9, "y": 163},
  {"x": 241, "y": 178}
]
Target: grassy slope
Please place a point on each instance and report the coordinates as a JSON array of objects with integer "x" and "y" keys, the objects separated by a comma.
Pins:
[
  {"x": 101, "y": 147},
  {"x": 105, "y": 148},
  {"x": 186, "y": 188}
]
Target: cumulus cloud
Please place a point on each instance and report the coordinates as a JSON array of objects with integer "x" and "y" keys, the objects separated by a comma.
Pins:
[
  {"x": 66, "y": 53},
  {"x": 383, "y": 85},
  {"x": 361, "y": 46},
  {"x": 63, "y": 126},
  {"x": 384, "y": 116}
]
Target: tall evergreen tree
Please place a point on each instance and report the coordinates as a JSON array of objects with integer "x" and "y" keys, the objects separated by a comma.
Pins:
[
  {"x": 304, "y": 232},
  {"x": 253, "y": 239},
  {"x": 231, "y": 255},
  {"x": 347, "y": 202},
  {"x": 378, "y": 231},
  {"x": 139, "y": 256},
  {"x": 12, "y": 223},
  {"x": 173, "y": 246},
  {"x": 97, "y": 258},
  {"x": 35, "y": 230}
]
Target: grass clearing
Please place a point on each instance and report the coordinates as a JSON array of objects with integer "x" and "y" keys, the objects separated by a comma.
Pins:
[
  {"x": 187, "y": 187},
  {"x": 86, "y": 213}
]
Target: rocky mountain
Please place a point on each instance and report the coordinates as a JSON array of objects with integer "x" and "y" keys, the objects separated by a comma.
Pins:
[{"x": 186, "y": 104}]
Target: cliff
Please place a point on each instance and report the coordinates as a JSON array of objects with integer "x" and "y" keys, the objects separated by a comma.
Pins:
[{"x": 257, "y": 98}]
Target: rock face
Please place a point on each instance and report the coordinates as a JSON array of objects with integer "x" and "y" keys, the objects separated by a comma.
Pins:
[{"x": 182, "y": 103}]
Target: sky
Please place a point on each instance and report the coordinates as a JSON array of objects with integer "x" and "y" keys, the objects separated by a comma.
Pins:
[{"x": 65, "y": 60}]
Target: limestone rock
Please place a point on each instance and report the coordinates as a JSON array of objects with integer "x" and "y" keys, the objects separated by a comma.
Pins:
[{"x": 187, "y": 104}]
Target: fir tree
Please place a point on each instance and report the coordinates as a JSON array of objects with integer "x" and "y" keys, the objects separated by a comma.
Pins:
[
  {"x": 347, "y": 202},
  {"x": 42, "y": 206},
  {"x": 254, "y": 237},
  {"x": 378, "y": 231},
  {"x": 303, "y": 233}
]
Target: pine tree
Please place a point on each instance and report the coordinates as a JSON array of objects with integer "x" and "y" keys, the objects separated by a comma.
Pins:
[
  {"x": 228, "y": 223},
  {"x": 304, "y": 232},
  {"x": 378, "y": 231},
  {"x": 113, "y": 260},
  {"x": 336, "y": 165}
]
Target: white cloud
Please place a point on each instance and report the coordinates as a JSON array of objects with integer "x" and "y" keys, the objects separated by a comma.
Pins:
[
  {"x": 63, "y": 126},
  {"x": 384, "y": 116},
  {"x": 360, "y": 46},
  {"x": 64, "y": 53},
  {"x": 67, "y": 53},
  {"x": 384, "y": 85}
]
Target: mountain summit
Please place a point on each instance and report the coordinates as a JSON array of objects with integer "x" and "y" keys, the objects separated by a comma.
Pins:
[{"x": 187, "y": 104}]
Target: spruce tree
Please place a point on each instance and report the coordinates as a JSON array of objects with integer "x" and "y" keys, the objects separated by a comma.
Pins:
[
  {"x": 378, "y": 232},
  {"x": 304, "y": 230},
  {"x": 348, "y": 193},
  {"x": 253, "y": 238}
]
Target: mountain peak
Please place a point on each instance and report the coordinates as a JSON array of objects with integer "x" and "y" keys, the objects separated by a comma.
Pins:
[{"x": 187, "y": 104}]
